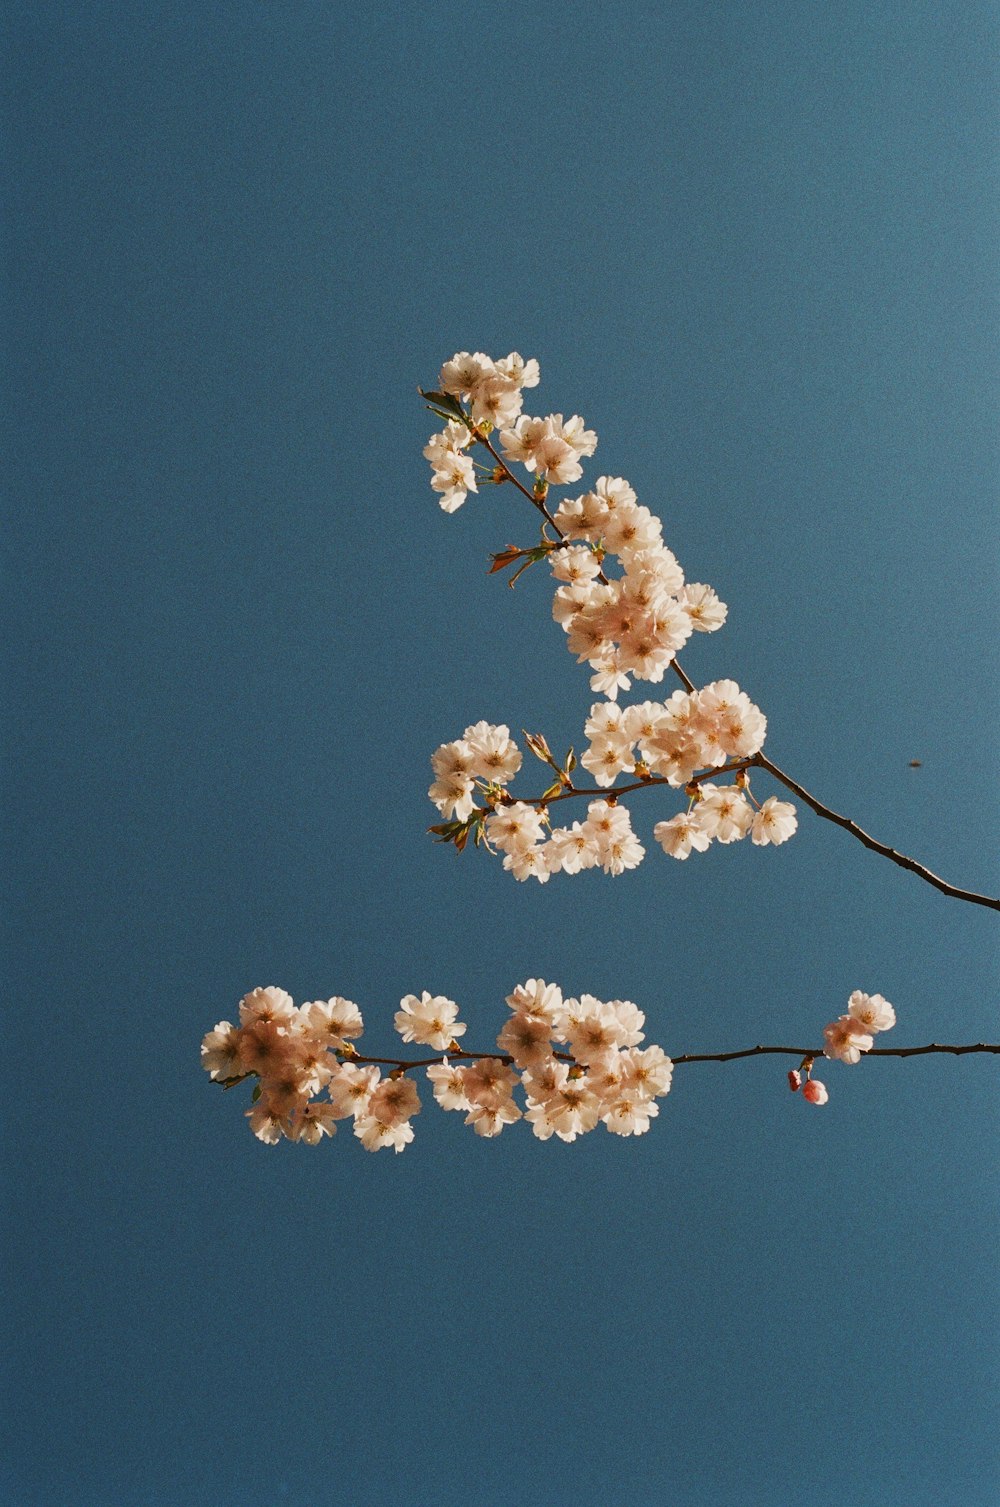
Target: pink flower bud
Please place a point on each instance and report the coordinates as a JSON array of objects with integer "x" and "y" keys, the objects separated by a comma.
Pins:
[
  {"x": 794, "y": 1081},
  {"x": 815, "y": 1092}
]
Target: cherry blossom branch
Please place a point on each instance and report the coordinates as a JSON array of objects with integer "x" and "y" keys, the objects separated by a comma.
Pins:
[
  {"x": 598, "y": 1072},
  {"x": 816, "y": 1052},
  {"x": 611, "y": 793},
  {"x": 758, "y": 760},
  {"x": 456, "y": 1054}
]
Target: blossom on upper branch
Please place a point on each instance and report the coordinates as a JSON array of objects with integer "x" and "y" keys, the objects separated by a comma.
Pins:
[
  {"x": 630, "y": 625},
  {"x": 550, "y": 447},
  {"x": 454, "y": 474},
  {"x": 678, "y": 742},
  {"x": 491, "y": 388}
]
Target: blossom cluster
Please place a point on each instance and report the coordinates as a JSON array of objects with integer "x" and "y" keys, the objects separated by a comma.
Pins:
[
  {"x": 850, "y": 1035},
  {"x": 603, "y": 1078},
  {"x": 298, "y": 1053},
  {"x": 663, "y": 743},
  {"x": 605, "y": 840},
  {"x": 675, "y": 738},
  {"x": 295, "y": 1054},
  {"x": 629, "y": 625},
  {"x": 493, "y": 391},
  {"x": 633, "y": 624},
  {"x": 846, "y": 1038}
]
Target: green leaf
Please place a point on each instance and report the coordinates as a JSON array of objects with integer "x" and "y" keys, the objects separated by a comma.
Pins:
[
  {"x": 444, "y": 400},
  {"x": 522, "y": 568},
  {"x": 446, "y": 831},
  {"x": 256, "y": 1094}
]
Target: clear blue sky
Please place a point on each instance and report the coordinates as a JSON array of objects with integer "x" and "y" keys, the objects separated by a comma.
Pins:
[{"x": 755, "y": 246}]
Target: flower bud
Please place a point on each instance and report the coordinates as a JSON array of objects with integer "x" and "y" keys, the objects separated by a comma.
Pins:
[
  {"x": 794, "y": 1081},
  {"x": 815, "y": 1091}
]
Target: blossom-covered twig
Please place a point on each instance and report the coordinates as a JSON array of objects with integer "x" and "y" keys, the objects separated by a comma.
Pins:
[
  {"x": 630, "y": 626},
  {"x": 461, "y": 1054},
  {"x": 578, "y": 1062}
]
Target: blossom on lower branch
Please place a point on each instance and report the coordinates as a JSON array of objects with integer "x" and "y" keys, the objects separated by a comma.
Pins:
[
  {"x": 578, "y": 1062},
  {"x": 847, "y": 1038}
]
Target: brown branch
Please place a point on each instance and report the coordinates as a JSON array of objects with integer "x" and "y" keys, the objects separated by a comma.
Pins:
[
  {"x": 460, "y": 1054},
  {"x": 817, "y": 1052},
  {"x": 536, "y": 502},
  {"x": 922, "y": 872},
  {"x": 603, "y": 792},
  {"x": 901, "y": 859}
]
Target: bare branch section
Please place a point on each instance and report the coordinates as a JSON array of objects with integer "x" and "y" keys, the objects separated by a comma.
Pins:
[{"x": 873, "y": 843}]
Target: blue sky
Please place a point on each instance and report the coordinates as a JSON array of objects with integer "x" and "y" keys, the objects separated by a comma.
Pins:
[{"x": 755, "y": 246}]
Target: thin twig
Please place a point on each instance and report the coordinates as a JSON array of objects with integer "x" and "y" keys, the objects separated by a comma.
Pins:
[
  {"x": 901, "y": 859},
  {"x": 536, "y": 502}
]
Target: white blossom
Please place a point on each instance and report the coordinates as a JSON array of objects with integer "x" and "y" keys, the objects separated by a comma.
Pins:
[
  {"x": 680, "y": 834},
  {"x": 571, "y": 849},
  {"x": 220, "y": 1052},
  {"x": 528, "y": 863},
  {"x": 724, "y": 813},
  {"x": 394, "y": 1100},
  {"x": 448, "y": 1079},
  {"x": 526, "y": 1039},
  {"x": 630, "y": 1116},
  {"x": 536, "y": 997},
  {"x": 496, "y": 757},
  {"x": 351, "y": 1087},
  {"x": 703, "y": 607},
  {"x": 430, "y": 1020},
  {"x": 513, "y": 828},
  {"x": 334, "y": 1022},
  {"x": 490, "y": 1119},
  {"x": 270, "y": 1004},
  {"x": 774, "y": 822},
  {"x": 871, "y": 1011},
  {"x": 846, "y": 1038},
  {"x": 376, "y": 1135}
]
